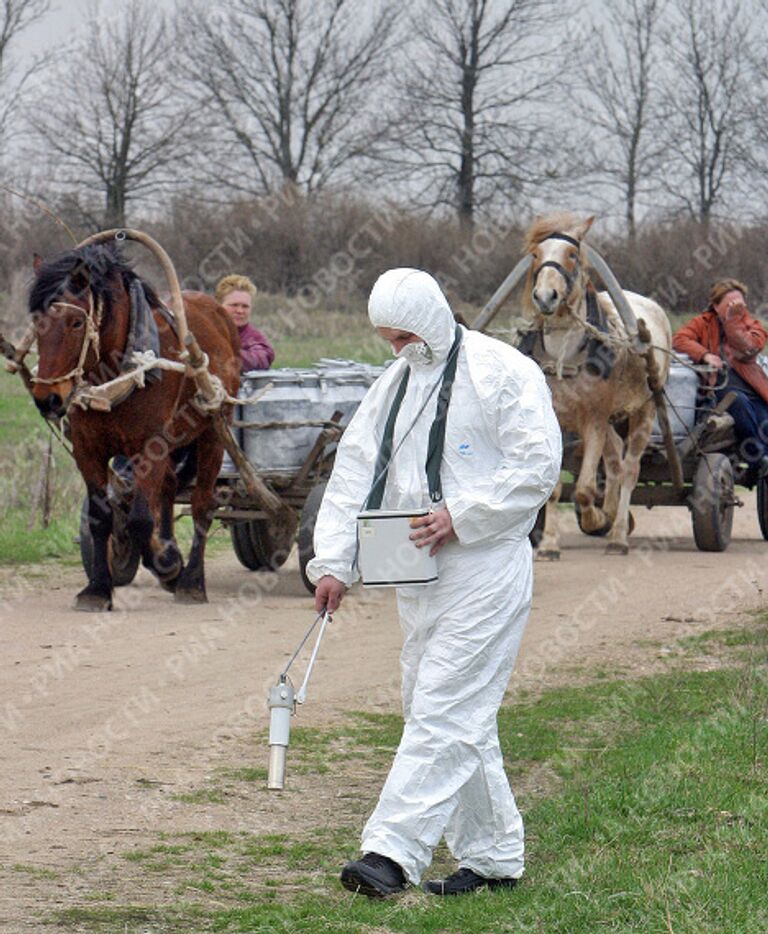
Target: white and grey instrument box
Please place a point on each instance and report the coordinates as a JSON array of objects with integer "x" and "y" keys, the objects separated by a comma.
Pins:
[{"x": 387, "y": 557}]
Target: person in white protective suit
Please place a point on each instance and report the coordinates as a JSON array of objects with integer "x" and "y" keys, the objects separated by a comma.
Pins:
[{"x": 500, "y": 460}]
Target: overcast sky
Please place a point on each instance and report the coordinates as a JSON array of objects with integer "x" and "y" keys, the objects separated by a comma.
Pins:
[{"x": 64, "y": 20}]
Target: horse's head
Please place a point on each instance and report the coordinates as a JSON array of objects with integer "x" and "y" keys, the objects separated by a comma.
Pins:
[
  {"x": 555, "y": 278},
  {"x": 81, "y": 310}
]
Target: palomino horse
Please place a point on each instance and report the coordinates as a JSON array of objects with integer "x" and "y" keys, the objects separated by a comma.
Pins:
[
  {"x": 596, "y": 377},
  {"x": 84, "y": 307}
]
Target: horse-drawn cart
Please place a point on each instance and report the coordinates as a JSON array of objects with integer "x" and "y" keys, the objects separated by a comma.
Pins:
[
  {"x": 288, "y": 433},
  {"x": 609, "y": 371}
]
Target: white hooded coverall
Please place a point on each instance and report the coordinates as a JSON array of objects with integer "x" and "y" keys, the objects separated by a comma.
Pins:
[{"x": 461, "y": 633}]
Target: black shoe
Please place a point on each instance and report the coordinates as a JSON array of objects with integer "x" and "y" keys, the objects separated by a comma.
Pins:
[
  {"x": 374, "y": 875},
  {"x": 465, "y": 880}
]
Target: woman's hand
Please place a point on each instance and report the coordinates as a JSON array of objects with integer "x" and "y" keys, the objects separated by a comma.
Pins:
[
  {"x": 435, "y": 529},
  {"x": 713, "y": 360}
]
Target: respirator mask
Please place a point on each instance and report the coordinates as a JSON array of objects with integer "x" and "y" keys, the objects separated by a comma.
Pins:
[{"x": 415, "y": 354}]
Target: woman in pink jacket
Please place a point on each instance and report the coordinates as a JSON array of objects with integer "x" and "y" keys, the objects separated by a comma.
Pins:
[{"x": 235, "y": 294}]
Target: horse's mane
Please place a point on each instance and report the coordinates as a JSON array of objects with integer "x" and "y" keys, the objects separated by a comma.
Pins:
[
  {"x": 543, "y": 227},
  {"x": 98, "y": 266}
]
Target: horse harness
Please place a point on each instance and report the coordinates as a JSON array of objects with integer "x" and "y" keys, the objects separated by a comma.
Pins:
[
  {"x": 141, "y": 358},
  {"x": 570, "y": 277},
  {"x": 93, "y": 319},
  {"x": 595, "y": 354}
]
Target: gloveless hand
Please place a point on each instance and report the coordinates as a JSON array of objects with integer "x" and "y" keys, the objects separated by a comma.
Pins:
[
  {"x": 329, "y": 594},
  {"x": 713, "y": 360},
  {"x": 435, "y": 529}
]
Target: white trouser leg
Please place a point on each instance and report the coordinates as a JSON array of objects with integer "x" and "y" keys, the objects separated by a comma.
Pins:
[
  {"x": 461, "y": 640},
  {"x": 485, "y": 832}
]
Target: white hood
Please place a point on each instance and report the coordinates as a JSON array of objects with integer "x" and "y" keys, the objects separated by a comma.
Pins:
[{"x": 413, "y": 301}]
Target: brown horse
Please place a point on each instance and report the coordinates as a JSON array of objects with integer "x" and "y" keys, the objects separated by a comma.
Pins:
[{"x": 83, "y": 307}]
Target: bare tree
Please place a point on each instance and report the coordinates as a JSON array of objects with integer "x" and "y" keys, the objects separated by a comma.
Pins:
[
  {"x": 474, "y": 108},
  {"x": 15, "y": 17},
  {"x": 288, "y": 87},
  {"x": 109, "y": 116},
  {"x": 622, "y": 105},
  {"x": 757, "y": 121},
  {"x": 707, "y": 91}
]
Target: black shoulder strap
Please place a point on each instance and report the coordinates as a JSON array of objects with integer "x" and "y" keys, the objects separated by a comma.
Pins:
[
  {"x": 385, "y": 450},
  {"x": 437, "y": 431}
]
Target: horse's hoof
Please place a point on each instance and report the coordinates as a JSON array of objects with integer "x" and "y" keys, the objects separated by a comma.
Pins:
[
  {"x": 549, "y": 555},
  {"x": 169, "y": 586},
  {"x": 190, "y": 595},
  {"x": 616, "y": 548},
  {"x": 168, "y": 568},
  {"x": 597, "y": 531},
  {"x": 92, "y": 601}
]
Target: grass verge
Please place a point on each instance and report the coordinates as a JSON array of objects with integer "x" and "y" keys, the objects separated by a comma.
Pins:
[{"x": 648, "y": 813}]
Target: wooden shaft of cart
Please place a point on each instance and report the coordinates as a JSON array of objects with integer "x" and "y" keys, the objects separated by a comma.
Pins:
[
  {"x": 502, "y": 294},
  {"x": 13, "y": 356},
  {"x": 656, "y": 386}
]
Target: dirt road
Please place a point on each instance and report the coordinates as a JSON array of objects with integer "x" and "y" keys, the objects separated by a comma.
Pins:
[{"x": 100, "y": 715}]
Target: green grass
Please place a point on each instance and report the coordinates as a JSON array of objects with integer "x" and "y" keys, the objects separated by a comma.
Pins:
[
  {"x": 201, "y": 796},
  {"x": 306, "y": 351},
  {"x": 24, "y": 440},
  {"x": 713, "y": 638},
  {"x": 19, "y": 419},
  {"x": 648, "y": 813},
  {"x": 244, "y": 774}
]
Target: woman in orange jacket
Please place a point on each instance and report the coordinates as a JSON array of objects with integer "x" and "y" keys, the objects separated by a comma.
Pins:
[{"x": 729, "y": 339}]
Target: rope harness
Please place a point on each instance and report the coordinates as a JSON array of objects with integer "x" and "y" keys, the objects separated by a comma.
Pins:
[
  {"x": 136, "y": 367},
  {"x": 91, "y": 339}
]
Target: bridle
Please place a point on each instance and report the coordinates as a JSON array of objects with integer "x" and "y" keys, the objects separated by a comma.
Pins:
[
  {"x": 93, "y": 317},
  {"x": 570, "y": 277}
]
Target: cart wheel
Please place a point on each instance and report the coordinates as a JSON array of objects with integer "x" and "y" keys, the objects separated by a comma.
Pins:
[
  {"x": 307, "y": 531},
  {"x": 712, "y": 502},
  {"x": 122, "y": 554},
  {"x": 260, "y": 545},
  {"x": 762, "y": 505}
]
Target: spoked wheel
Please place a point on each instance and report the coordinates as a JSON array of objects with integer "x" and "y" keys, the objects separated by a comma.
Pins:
[
  {"x": 712, "y": 502},
  {"x": 261, "y": 545},
  {"x": 307, "y": 531},
  {"x": 123, "y": 556},
  {"x": 762, "y": 505}
]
